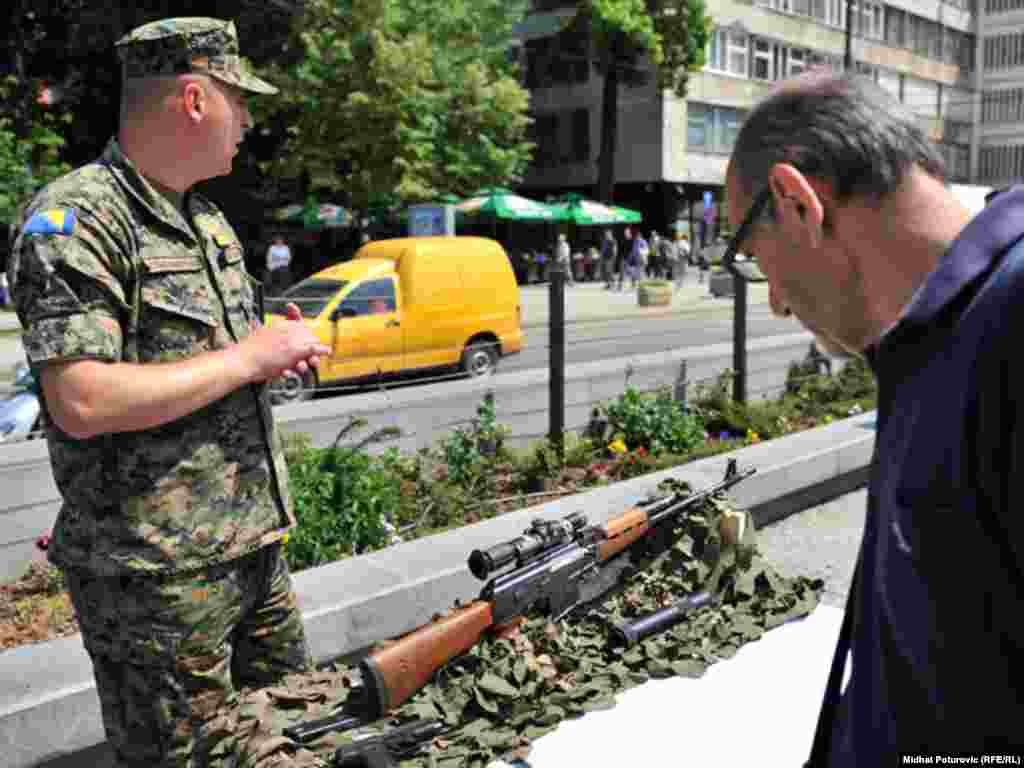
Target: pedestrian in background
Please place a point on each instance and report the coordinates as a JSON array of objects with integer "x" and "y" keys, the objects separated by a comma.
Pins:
[
  {"x": 143, "y": 328},
  {"x": 625, "y": 256},
  {"x": 5, "y": 297},
  {"x": 669, "y": 258},
  {"x": 641, "y": 257},
  {"x": 609, "y": 258},
  {"x": 683, "y": 254},
  {"x": 866, "y": 245},
  {"x": 279, "y": 266},
  {"x": 654, "y": 264},
  {"x": 563, "y": 259}
]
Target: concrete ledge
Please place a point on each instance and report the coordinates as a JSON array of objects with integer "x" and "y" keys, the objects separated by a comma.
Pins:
[{"x": 49, "y": 712}]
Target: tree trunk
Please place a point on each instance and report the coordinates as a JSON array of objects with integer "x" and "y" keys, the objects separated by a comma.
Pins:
[{"x": 609, "y": 130}]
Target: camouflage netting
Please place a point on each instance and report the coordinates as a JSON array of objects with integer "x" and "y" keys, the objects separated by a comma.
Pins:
[{"x": 507, "y": 692}]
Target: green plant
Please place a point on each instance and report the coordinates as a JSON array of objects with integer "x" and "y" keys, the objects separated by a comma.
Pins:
[
  {"x": 657, "y": 424},
  {"x": 578, "y": 451},
  {"x": 490, "y": 435},
  {"x": 343, "y": 498},
  {"x": 462, "y": 456}
]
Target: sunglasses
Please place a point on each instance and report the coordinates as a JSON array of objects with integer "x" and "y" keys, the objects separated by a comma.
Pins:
[{"x": 747, "y": 270}]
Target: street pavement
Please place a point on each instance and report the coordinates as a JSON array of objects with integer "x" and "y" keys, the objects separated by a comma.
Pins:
[
  {"x": 590, "y": 301},
  {"x": 820, "y": 542}
]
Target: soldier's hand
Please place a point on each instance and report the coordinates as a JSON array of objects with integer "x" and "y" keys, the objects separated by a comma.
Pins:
[{"x": 282, "y": 348}]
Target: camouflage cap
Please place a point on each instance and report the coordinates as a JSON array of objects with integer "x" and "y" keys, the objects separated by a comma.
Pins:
[{"x": 188, "y": 45}]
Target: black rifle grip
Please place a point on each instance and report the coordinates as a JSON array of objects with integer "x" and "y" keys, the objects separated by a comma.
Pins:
[{"x": 372, "y": 756}]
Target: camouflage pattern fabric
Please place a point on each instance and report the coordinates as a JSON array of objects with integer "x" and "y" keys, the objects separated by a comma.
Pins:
[
  {"x": 507, "y": 692},
  {"x": 125, "y": 277},
  {"x": 168, "y": 654},
  {"x": 188, "y": 45}
]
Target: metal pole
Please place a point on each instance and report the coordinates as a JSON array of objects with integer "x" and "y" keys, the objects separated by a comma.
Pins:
[
  {"x": 556, "y": 335},
  {"x": 848, "y": 58},
  {"x": 739, "y": 339}
]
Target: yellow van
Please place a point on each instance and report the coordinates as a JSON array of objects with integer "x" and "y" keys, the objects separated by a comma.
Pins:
[{"x": 408, "y": 304}]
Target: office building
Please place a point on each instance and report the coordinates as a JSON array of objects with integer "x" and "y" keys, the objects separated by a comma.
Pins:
[{"x": 671, "y": 153}]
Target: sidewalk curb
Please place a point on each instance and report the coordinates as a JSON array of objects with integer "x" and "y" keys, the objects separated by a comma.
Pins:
[
  {"x": 642, "y": 313},
  {"x": 48, "y": 706}
]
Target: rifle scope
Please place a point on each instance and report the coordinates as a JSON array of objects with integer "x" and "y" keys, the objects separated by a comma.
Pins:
[{"x": 540, "y": 536}]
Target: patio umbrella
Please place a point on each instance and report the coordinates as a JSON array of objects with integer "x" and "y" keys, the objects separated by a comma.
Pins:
[
  {"x": 314, "y": 216},
  {"x": 584, "y": 212},
  {"x": 503, "y": 204}
]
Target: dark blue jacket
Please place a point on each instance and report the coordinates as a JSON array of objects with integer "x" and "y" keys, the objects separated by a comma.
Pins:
[{"x": 937, "y": 646}]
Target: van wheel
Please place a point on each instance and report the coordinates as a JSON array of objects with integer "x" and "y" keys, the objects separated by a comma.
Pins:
[
  {"x": 480, "y": 359},
  {"x": 293, "y": 388}
]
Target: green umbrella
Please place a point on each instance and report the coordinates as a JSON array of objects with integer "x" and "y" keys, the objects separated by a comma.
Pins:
[
  {"x": 503, "y": 204},
  {"x": 590, "y": 212},
  {"x": 314, "y": 216}
]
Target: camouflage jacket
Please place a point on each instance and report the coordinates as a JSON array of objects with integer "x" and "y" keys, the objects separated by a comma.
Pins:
[{"x": 104, "y": 267}]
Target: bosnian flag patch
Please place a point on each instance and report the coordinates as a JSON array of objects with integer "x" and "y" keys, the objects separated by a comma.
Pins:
[{"x": 57, "y": 221}]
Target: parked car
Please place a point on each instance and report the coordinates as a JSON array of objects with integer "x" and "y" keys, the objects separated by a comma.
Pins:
[{"x": 407, "y": 304}]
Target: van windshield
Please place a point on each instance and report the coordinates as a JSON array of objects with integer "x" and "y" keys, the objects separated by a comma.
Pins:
[{"x": 311, "y": 296}]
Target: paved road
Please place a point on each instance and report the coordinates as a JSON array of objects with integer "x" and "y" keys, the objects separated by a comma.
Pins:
[
  {"x": 607, "y": 338},
  {"x": 820, "y": 542}
]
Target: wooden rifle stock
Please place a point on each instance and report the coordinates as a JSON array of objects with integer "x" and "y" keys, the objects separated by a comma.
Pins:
[
  {"x": 621, "y": 532},
  {"x": 396, "y": 671}
]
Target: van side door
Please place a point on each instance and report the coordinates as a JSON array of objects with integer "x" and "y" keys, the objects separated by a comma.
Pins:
[{"x": 368, "y": 330}]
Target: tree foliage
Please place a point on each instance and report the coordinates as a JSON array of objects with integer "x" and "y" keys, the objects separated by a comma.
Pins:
[
  {"x": 30, "y": 147},
  {"x": 383, "y": 104},
  {"x": 634, "y": 40}
]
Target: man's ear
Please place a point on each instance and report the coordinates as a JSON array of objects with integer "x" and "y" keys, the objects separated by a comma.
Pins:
[
  {"x": 798, "y": 203},
  {"x": 195, "y": 101}
]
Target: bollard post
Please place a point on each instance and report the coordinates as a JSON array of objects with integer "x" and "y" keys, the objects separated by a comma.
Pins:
[
  {"x": 681, "y": 385},
  {"x": 556, "y": 336},
  {"x": 739, "y": 339}
]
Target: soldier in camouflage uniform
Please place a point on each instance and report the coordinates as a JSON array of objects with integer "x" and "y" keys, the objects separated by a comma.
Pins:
[{"x": 144, "y": 329}]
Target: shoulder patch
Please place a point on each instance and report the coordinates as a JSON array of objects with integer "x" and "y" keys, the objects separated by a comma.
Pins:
[
  {"x": 56, "y": 221},
  {"x": 223, "y": 239}
]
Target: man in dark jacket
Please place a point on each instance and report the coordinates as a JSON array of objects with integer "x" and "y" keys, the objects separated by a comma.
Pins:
[{"x": 866, "y": 245}]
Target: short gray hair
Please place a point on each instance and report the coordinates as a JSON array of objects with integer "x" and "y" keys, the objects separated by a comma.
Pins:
[{"x": 841, "y": 128}]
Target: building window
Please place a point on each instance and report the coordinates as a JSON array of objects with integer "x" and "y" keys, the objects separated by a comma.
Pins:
[
  {"x": 795, "y": 7},
  {"x": 727, "y": 52},
  {"x": 827, "y": 61},
  {"x": 764, "y": 60},
  {"x": 1003, "y": 51},
  {"x": 1003, "y": 106},
  {"x": 868, "y": 19},
  {"x": 698, "y": 118},
  {"x": 999, "y": 164},
  {"x": 796, "y": 62},
  {"x": 895, "y": 27},
  {"x": 1003, "y": 6},
  {"x": 711, "y": 128}
]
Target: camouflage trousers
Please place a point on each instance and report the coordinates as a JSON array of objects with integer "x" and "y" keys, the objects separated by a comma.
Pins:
[{"x": 170, "y": 654}]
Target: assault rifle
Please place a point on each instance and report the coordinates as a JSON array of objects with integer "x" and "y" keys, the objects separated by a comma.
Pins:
[{"x": 557, "y": 566}]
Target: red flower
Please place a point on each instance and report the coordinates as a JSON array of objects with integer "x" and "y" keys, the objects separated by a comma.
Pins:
[
  {"x": 43, "y": 542},
  {"x": 641, "y": 451}
]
